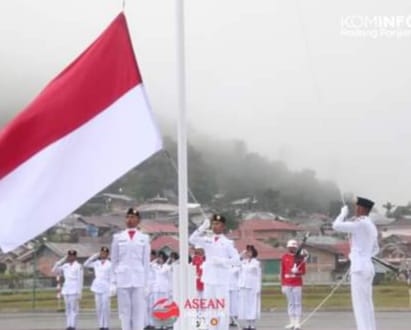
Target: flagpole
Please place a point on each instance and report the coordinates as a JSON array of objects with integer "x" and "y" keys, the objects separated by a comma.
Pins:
[{"x": 182, "y": 165}]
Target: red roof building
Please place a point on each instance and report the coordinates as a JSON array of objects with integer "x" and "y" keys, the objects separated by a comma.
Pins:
[
  {"x": 265, "y": 230},
  {"x": 165, "y": 242}
]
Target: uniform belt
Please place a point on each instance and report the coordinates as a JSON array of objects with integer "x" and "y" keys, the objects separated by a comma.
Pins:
[{"x": 292, "y": 276}]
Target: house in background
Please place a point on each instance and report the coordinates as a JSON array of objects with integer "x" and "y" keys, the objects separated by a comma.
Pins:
[
  {"x": 271, "y": 231},
  {"x": 167, "y": 244}
]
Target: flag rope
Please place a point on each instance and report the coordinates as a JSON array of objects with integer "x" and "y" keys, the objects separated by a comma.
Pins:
[
  {"x": 190, "y": 192},
  {"x": 315, "y": 310}
]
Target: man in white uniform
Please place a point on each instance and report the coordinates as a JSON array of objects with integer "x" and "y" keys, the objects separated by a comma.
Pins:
[
  {"x": 101, "y": 265},
  {"x": 72, "y": 287},
  {"x": 130, "y": 258},
  {"x": 364, "y": 245},
  {"x": 220, "y": 256}
]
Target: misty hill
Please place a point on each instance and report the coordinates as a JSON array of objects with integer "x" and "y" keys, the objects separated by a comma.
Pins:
[{"x": 228, "y": 169}]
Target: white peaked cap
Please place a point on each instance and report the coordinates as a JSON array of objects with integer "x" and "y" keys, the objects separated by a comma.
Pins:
[{"x": 292, "y": 243}]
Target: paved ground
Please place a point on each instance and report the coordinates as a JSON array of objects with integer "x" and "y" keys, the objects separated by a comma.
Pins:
[{"x": 340, "y": 320}]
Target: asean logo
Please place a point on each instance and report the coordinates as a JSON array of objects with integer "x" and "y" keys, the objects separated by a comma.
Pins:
[{"x": 165, "y": 312}]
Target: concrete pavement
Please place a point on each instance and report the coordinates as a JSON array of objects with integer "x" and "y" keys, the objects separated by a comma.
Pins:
[{"x": 329, "y": 320}]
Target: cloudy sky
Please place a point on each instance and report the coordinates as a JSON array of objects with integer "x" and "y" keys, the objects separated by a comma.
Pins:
[{"x": 319, "y": 84}]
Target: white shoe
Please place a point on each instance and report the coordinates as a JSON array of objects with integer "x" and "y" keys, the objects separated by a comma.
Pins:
[{"x": 290, "y": 326}]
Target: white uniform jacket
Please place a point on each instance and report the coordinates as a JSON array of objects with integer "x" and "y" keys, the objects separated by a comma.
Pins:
[
  {"x": 161, "y": 278},
  {"x": 130, "y": 259},
  {"x": 73, "y": 277},
  {"x": 234, "y": 278},
  {"x": 250, "y": 274},
  {"x": 220, "y": 256},
  {"x": 364, "y": 240},
  {"x": 102, "y": 273}
]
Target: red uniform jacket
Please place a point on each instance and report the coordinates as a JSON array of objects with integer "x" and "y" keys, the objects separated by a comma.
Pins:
[
  {"x": 197, "y": 262},
  {"x": 287, "y": 277}
]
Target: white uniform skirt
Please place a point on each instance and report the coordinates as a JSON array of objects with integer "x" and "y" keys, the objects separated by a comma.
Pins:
[
  {"x": 249, "y": 304},
  {"x": 234, "y": 302}
]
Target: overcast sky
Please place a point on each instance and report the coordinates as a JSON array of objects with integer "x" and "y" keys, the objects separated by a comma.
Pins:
[{"x": 278, "y": 74}]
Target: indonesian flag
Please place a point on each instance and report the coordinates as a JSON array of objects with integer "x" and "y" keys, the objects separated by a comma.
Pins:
[{"x": 88, "y": 127}]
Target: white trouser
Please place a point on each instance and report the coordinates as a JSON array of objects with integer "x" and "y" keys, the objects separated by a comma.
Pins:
[
  {"x": 249, "y": 304},
  {"x": 131, "y": 308},
  {"x": 234, "y": 302},
  {"x": 361, "y": 296},
  {"x": 72, "y": 307},
  {"x": 221, "y": 316},
  {"x": 102, "y": 309},
  {"x": 294, "y": 295}
]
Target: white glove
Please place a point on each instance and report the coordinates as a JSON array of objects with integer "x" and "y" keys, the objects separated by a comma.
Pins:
[
  {"x": 283, "y": 290},
  {"x": 204, "y": 226},
  {"x": 294, "y": 270},
  {"x": 344, "y": 212},
  {"x": 113, "y": 290},
  {"x": 61, "y": 261},
  {"x": 96, "y": 255}
]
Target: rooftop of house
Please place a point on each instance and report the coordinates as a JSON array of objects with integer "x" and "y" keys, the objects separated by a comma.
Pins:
[
  {"x": 162, "y": 241},
  {"x": 272, "y": 225}
]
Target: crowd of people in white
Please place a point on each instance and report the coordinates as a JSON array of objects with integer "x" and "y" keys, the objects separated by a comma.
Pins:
[{"x": 140, "y": 276}]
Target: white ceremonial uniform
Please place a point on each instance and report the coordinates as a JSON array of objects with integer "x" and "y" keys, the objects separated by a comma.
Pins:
[
  {"x": 234, "y": 290},
  {"x": 250, "y": 290},
  {"x": 101, "y": 288},
  {"x": 364, "y": 245},
  {"x": 149, "y": 321},
  {"x": 130, "y": 258},
  {"x": 220, "y": 256},
  {"x": 161, "y": 286},
  {"x": 72, "y": 288}
]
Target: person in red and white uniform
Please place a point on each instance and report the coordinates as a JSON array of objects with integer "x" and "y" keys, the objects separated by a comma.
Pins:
[
  {"x": 220, "y": 256},
  {"x": 292, "y": 272},
  {"x": 197, "y": 262},
  {"x": 130, "y": 258},
  {"x": 101, "y": 265}
]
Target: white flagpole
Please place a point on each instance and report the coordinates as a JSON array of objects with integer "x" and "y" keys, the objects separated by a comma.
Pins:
[{"x": 182, "y": 324}]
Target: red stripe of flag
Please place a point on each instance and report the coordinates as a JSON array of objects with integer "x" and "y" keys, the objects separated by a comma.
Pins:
[{"x": 99, "y": 81}]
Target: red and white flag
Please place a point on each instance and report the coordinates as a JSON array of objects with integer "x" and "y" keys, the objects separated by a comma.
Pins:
[{"x": 88, "y": 127}]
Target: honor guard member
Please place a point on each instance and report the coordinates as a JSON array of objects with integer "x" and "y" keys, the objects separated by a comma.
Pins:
[
  {"x": 234, "y": 294},
  {"x": 161, "y": 286},
  {"x": 220, "y": 256},
  {"x": 101, "y": 265},
  {"x": 250, "y": 288},
  {"x": 197, "y": 261},
  {"x": 149, "y": 321},
  {"x": 364, "y": 245},
  {"x": 130, "y": 258},
  {"x": 291, "y": 284},
  {"x": 72, "y": 288}
]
